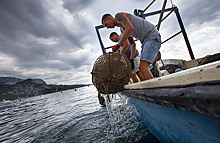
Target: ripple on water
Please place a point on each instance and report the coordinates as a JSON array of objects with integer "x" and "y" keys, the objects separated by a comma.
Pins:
[{"x": 70, "y": 116}]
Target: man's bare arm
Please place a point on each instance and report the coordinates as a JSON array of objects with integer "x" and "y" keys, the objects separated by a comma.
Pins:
[
  {"x": 123, "y": 19},
  {"x": 125, "y": 46},
  {"x": 133, "y": 47}
]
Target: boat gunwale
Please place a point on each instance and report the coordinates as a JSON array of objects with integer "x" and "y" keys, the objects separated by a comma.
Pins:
[
  {"x": 174, "y": 78},
  {"x": 202, "y": 97}
]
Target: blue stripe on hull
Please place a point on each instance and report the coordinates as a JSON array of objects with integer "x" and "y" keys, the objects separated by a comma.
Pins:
[{"x": 177, "y": 126}]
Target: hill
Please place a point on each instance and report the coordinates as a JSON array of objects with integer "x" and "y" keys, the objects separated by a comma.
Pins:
[
  {"x": 13, "y": 88},
  {"x": 14, "y": 80}
]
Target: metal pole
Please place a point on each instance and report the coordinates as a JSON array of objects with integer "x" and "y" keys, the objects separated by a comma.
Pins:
[
  {"x": 165, "y": 17},
  {"x": 142, "y": 15},
  {"x": 109, "y": 47},
  {"x": 161, "y": 14},
  {"x": 149, "y": 5},
  {"x": 159, "y": 11},
  {"x": 184, "y": 34},
  {"x": 99, "y": 37},
  {"x": 171, "y": 37}
]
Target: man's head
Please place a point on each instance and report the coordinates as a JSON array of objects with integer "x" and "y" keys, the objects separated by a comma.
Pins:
[
  {"x": 108, "y": 21},
  {"x": 114, "y": 37}
]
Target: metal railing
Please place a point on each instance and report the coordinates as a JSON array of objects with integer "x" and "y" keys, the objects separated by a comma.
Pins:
[{"x": 141, "y": 13}]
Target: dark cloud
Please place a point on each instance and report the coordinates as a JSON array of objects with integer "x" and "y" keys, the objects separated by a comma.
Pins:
[
  {"x": 31, "y": 17},
  {"x": 75, "y": 5},
  {"x": 11, "y": 73},
  {"x": 23, "y": 15},
  {"x": 26, "y": 23},
  {"x": 18, "y": 74},
  {"x": 199, "y": 12},
  {"x": 195, "y": 12}
]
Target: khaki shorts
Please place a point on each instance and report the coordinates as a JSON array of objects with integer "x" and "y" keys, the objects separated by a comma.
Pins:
[{"x": 136, "y": 64}]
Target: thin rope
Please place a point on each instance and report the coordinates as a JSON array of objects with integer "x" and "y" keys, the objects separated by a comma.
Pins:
[{"x": 172, "y": 3}]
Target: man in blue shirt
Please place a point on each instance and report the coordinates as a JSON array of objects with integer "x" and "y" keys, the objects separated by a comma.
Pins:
[{"x": 125, "y": 49}]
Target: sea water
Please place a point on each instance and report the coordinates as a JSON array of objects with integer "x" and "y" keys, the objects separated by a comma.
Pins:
[{"x": 71, "y": 116}]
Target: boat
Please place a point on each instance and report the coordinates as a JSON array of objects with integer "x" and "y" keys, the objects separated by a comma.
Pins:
[
  {"x": 183, "y": 106},
  {"x": 180, "y": 107}
]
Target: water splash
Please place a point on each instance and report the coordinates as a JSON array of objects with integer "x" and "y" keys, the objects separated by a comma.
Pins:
[{"x": 123, "y": 122}]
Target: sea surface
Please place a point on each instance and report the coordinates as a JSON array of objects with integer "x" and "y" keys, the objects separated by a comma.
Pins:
[{"x": 73, "y": 116}]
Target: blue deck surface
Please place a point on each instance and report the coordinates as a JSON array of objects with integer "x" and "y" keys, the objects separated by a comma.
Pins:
[{"x": 173, "y": 125}]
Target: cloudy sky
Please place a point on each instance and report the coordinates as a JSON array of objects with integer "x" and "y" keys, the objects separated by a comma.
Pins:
[{"x": 55, "y": 40}]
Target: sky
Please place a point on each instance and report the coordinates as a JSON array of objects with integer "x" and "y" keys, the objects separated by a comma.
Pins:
[{"x": 55, "y": 40}]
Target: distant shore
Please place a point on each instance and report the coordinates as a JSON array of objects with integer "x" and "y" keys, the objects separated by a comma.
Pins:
[
  {"x": 24, "y": 97},
  {"x": 29, "y": 88}
]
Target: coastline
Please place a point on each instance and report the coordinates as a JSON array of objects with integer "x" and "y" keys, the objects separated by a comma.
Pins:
[{"x": 29, "y": 88}]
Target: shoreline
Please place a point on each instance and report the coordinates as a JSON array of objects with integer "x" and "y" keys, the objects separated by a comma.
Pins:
[{"x": 43, "y": 93}]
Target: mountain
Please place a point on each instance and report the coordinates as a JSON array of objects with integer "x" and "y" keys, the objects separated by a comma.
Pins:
[
  {"x": 38, "y": 80},
  {"x": 14, "y": 80},
  {"x": 12, "y": 88},
  {"x": 9, "y": 80},
  {"x": 25, "y": 88}
]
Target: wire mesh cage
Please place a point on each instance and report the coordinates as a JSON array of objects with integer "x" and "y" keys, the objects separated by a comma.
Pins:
[{"x": 111, "y": 71}]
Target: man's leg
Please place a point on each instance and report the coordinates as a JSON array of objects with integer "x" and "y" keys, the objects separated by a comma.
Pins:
[
  {"x": 139, "y": 74},
  {"x": 134, "y": 78},
  {"x": 144, "y": 69},
  {"x": 148, "y": 54}
]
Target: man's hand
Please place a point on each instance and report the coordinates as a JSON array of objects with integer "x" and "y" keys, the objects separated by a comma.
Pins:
[
  {"x": 132, "y": 64},
  {"x": 115, "y": 48}
]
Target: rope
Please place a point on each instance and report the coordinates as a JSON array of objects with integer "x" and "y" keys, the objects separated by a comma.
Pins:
[{"x": 172, "y": 3}]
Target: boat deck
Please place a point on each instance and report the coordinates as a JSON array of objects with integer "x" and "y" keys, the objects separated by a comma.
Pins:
[{"x": 196, "y": 90}]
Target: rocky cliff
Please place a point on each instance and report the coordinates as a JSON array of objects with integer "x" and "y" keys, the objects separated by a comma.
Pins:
[
  {"x": 25, "y": 88},
  {"x": 14, "y": 80},
  {"x": 29, "y": 87}
]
